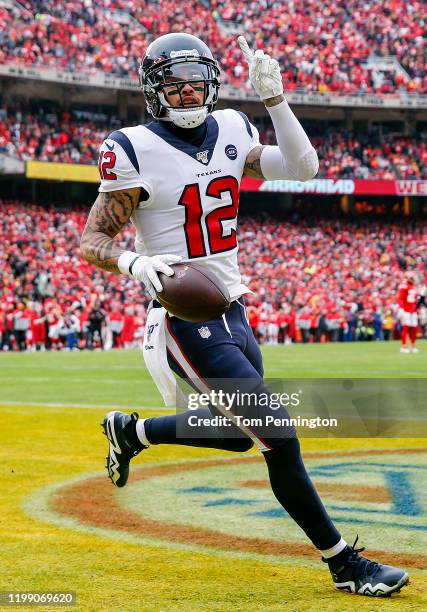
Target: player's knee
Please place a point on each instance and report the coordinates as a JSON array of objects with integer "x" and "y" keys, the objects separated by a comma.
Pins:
[{"x": 242, "y": 445}]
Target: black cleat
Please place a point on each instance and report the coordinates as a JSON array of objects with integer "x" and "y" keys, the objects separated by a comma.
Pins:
[
  {"x": 120, "y": 451},
  {"x": 355, "y": 574}
]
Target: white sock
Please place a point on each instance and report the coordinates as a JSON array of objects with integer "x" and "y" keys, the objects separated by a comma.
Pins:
[
  {"x": 331, "y": 552},
  {"x": 140, "y": 432}
]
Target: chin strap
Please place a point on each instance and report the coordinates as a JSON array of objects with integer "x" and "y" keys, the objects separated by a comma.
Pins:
[{"x": 187, "y": 118}]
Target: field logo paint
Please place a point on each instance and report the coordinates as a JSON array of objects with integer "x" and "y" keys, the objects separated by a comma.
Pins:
[
  {"x": 390, "y": 501},
  {"x": 227, "y": 504}
]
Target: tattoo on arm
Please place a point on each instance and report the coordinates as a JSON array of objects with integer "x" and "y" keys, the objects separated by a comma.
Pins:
[
  {"x": 253, "y": 163},
  {"x": 274, "y": 101},
  {"x": 108, "y": 216}
]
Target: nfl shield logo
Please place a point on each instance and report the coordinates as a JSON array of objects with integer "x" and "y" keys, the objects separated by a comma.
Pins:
[
  {"x": 202, "y": 156},
  {"x": 204, "y": 332}
]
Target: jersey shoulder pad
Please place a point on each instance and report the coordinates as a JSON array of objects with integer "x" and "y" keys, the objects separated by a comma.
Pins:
[
  {"x": 123, "y": 138},
  {"x": 239, "y": 121},
  {"x": 236, "y": 117},
  {"x": 118, "y": 164},
  {"x": 249, "y": 127}
]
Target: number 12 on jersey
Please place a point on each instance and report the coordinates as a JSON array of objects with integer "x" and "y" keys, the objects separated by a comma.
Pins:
[{"x": 190, "y": 198}]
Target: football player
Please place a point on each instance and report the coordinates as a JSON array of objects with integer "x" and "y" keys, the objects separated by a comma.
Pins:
[
  {"x": 177, "y": 178},
  {"x": 408, "y": 299}
]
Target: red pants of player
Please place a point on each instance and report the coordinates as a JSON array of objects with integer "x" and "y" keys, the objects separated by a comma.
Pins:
[
  {"x": 412, "y": 330},
  {"x": 38, "y": 333}
]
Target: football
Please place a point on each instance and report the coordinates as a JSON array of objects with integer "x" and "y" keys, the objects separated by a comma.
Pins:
[{"x": 193, "y": 293}]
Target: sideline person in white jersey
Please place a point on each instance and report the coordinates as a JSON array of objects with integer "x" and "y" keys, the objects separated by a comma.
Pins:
[{"x": 177, "y": 179}]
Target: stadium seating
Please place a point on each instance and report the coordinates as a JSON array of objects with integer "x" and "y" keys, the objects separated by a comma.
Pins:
[
  {"x": 324, "y": 47},
  {"x": 52, "y": 136},
  {"x": 320, "y": 47},
  {"x": 338, "y": 280},
  {"x": 396, "y": 157},
  {"x": 365, "y": 156},
  {"x": 75, "y": 138}
]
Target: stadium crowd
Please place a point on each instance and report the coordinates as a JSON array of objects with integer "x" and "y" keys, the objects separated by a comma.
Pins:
[
  {"x": 53, "y": 136},
  {"x": 396, "y": 157},
  {"x": 367, "y": 155},
  {"x": 324, "y": 281},
  {"x": 74, "y": 137},
  {"x": 321, "y": 47}
]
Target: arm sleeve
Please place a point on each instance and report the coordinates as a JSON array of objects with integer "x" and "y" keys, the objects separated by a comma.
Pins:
[
  {"x": 294, "y": 158},
  {"x": 119, "y": 169}
]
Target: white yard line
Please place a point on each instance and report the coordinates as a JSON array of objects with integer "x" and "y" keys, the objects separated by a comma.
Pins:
[{"x": 76, "y": 405}]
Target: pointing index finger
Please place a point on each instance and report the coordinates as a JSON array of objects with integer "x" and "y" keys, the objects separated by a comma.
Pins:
[{"x": 243, "y": 43}]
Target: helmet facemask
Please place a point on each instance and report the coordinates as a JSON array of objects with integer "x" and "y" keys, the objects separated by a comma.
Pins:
[{"x": 170, "y": 76}]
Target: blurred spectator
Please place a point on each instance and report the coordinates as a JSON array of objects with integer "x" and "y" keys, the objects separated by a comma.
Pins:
[
  {"x": 423, "y": 321},
  {"x": 53, "y": 136},
  {"x": 69, "y": 329},
  {"x": 387, "y": 326},
  {"x": 321, "y": 281},
  {"x": 21, "y": 325},
  {"x": 114, "y": 327},
  {"x": 320, "y": 46},
  {"x": 63, "y": 137},
  {"x": 388, "y": 156},
  {"x": 96, "y": 321}
]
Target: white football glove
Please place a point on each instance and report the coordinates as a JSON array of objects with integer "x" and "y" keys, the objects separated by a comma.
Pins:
[
  {"x": 145, "y": 269},
  {"x": 264, "y": 72}
]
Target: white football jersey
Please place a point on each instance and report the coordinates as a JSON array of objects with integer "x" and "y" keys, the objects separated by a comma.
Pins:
[{"x": 193, "y": 191}]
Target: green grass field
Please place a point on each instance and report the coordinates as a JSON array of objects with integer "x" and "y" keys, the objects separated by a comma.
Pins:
[
  {"x": 195, "y": 529},
  {"x": 120, "y": 377}
]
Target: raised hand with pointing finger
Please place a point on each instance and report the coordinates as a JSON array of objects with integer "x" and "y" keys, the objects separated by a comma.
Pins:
[{"x": 264, "y": 72}]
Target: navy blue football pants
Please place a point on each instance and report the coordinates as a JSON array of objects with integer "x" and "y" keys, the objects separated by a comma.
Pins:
[
  {"x": 223, "y": 354},
  {"x": 210, "y": 354}
]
